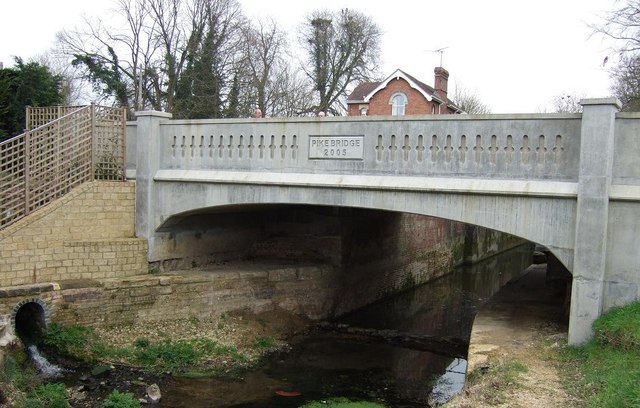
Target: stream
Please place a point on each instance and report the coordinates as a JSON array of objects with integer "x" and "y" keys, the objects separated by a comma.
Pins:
[
  {"x": 322, "y": 364},
  {"x": 377, "y": 353}
]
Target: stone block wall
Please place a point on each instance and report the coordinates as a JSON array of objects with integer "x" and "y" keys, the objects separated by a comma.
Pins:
[
  {"x": 392, "y": 252},
  {"x": 304, "y": 290},
  {"x": 87, "y": 234}
]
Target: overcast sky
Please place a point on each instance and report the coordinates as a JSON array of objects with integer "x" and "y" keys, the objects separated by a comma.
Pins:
[{"x": 516, "y": 56}]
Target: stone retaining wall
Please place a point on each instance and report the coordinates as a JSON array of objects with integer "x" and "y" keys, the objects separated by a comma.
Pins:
[
  {"x": 88, "y": 233},
  {"x": 303, "y": 289}
]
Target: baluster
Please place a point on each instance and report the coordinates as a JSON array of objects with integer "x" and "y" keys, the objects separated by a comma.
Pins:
[
  {"x": 294, "y": 148},
  {"x": 420, "y": 148},
  {"x": 558, "y": 149},
  {"x": 434, "y": 148},
  {"x": 493, "y": 149},
  {"x": 406, "y": 148},
  {"x": 541, "y": 150},
  {"x": 525, "y": 150},
  {"x": 478, "y": 149},
  {"x": 509, "y": 149},
  {"x": 392, "y": 149},
  {"x": 463, "y": 148},
  {"x": 448, "y": 149},
  {"x": 379, "y": 148},
  {"x": 283, "y": 147}
]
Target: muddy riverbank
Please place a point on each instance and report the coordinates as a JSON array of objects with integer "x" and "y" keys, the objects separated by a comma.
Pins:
[{"x": 514, "y": 340}]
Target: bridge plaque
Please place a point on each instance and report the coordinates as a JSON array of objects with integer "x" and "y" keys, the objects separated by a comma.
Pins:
[{"x": 349, "y": 147}]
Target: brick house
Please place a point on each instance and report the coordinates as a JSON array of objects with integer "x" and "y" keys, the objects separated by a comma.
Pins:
[{"x": 402, "y": 94}]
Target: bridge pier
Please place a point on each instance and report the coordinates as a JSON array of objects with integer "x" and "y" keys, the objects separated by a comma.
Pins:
[
  {"x": 147, "y": 164},
  {"x": 592, "y": 216}
]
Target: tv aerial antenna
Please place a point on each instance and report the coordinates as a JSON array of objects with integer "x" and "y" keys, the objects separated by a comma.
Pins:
[{"x": 441, "y": 51}]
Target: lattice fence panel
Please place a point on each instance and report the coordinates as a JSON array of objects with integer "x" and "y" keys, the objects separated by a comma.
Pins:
[
  {"x": 109, "y": 143},
  {"x": 59, "y": 158},
  {"x": 47, "y": 161},
  {"x": 12, "y": 180},
  {"x": 41, "y": 115}
]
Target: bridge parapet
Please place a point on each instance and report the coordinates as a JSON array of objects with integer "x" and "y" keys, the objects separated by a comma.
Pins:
[{"x": 528, "y": 147}]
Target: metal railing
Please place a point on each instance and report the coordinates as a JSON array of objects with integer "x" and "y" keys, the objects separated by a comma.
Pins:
[{"x": 47, "y": 161}]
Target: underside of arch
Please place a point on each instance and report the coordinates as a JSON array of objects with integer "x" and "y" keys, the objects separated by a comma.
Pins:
[{"x": 548, "y": 221}]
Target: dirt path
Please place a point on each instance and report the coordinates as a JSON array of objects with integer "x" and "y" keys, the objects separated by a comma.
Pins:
[{"x": 513, "y": 336}]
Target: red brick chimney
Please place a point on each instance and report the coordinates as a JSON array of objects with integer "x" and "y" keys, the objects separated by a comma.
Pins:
[{"x": 440, "y": 83}]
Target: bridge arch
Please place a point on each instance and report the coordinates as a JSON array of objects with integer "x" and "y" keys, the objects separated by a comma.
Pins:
[{"x": 543, "y": 220}]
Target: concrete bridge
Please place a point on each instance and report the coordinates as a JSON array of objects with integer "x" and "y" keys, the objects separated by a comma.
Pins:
[{"x": 570, "y": 182}]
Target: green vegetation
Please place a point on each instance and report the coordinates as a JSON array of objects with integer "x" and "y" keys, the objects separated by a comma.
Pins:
[
  {"x": 264, "y": 342},
  {"x": 494, "y": 384},
  {"x": 605, "y": 372},
  {"x": 45, "y": 396},
  {"x": 69, "y": 341},
  {"x": 342, "y": 403},
  {"x": 120, "y": 400},
  {"x": 620, "y": 328},
  {"x": 26, "y": 84},
  {"x": 166, "y": 355},
  {"x": 20, "y": 378}
]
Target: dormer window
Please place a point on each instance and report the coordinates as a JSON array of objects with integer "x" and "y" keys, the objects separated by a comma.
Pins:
[{"x": 398, "y": 103}]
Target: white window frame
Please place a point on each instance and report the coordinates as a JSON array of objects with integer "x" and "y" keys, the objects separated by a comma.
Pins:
[{"x": 396, "y": 108}]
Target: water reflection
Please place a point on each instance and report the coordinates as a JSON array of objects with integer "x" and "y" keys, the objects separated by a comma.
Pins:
[
  {"x": 450, "y": 383},
  {"x": 321, "y": 365}
]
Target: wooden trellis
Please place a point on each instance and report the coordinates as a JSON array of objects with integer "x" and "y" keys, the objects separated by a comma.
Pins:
[{"x": 61, "y": 148}]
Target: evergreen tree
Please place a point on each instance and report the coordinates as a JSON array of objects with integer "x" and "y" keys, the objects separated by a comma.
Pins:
[{"x": 26, "y": 84}]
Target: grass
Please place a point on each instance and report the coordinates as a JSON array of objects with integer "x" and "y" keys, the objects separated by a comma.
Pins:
[
  {"x": 605, "y": 372},
  {"x": 120, "y": 400},
  {"x": 69, "y": 340},
  {"x": 160, "y": 356},
  {"x": 53, "y": 395},
  {"x": 492, "y": 385},
  {"x": 341, "y": 403},
  {"x": 263, "y": 342},
  {"x": 22, "y": 378}
]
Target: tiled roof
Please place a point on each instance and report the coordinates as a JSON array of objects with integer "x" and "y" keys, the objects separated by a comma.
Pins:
[
  {"x": 421, "y": 84},
  {"x": 364, "y": 89}
]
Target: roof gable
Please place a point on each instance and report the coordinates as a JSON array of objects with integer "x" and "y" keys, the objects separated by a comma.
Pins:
[{"x": 424, "y": 89}]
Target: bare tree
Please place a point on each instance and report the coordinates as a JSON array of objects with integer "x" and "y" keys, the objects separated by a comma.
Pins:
[
  {"x": 265, "y": 59},
  {"x": 567, "y": 103},
  {"x": 110, "y": 57},
  {"x": 75, "y": 90},
  {"x": 469, "y": 102},
  {"x": 623, "y": 26},
  {"x": 342, "y": 48},
  {"x": 626, "y": 82},
  {"x": 141, "y": 58},
  {"x": 295, "y": 93}
]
